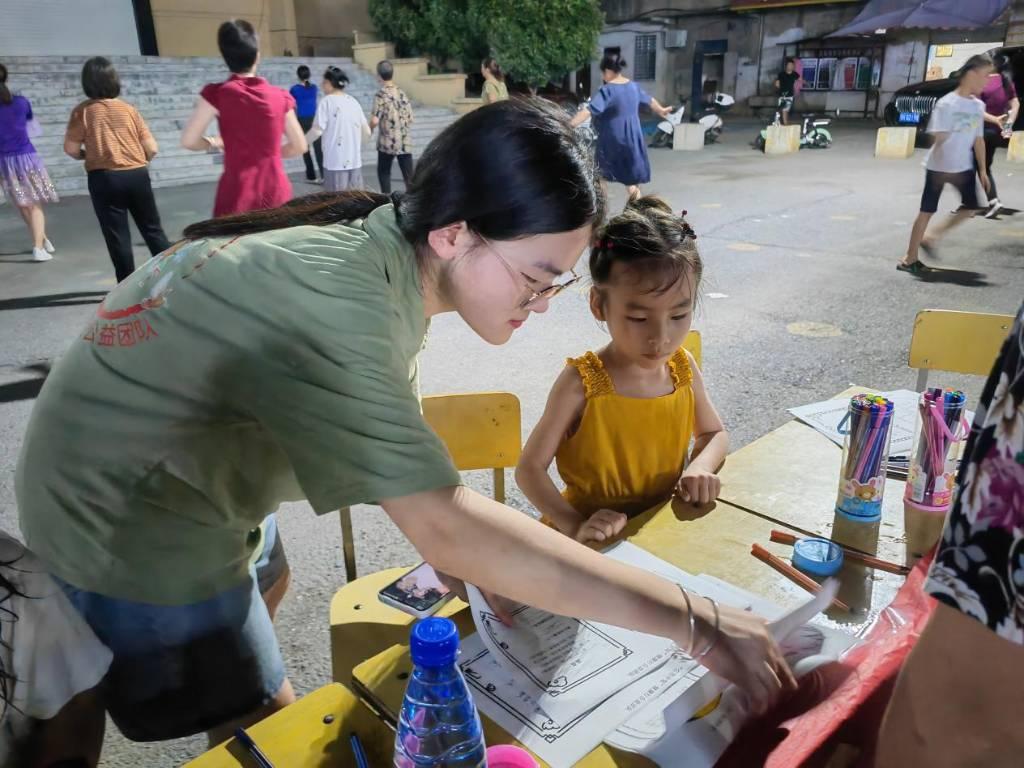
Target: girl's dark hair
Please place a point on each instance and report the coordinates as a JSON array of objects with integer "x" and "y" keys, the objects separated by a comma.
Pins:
[
  {"x": 7, "y": 590},
  {"x": 652, "y": 240},
  {"x": 613, "y": 62},
  {"x": 239, "y": 44},
  {"x": 977, "y": 61},
  {"x": 336, "y": 76},
  {"x": 302, "y": 73},
  {"x": 5, "y": 92},
  {"x": 541, "y": 178},
  {"x": 99, "y": 79},
  {"x": 491, "y": 65}
]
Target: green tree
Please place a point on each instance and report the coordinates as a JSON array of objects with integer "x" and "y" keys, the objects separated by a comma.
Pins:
[
  {"x": 538, "y": 41},
  {"x": 439, "y": 29}
]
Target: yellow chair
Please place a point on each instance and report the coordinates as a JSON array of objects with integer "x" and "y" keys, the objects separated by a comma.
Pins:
[
  {"x": 961, "y": 342},
  {"x": 311, "y": 733}
]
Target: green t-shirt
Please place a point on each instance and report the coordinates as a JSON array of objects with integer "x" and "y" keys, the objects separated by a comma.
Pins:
[{"x": 225, "y": 377}]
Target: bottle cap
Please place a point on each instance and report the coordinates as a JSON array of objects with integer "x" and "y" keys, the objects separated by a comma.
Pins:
[
  {"x": 817, "y": 557},
  {"x": 434, "y": 642}
]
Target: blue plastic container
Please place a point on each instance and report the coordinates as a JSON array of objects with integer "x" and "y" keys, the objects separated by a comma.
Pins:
[
  {"x": 438, "y": 726},
  {"x": 817, "y": 557}
]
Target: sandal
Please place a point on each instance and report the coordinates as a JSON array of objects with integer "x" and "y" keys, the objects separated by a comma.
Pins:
[{"x": 914, "y": 267}]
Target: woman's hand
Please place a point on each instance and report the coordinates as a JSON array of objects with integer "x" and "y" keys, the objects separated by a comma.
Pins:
[
  {"x": 215, "y": 143},
  {"x": 501, "y": 606},
  {"x": 698, "y": 486},
  {"x": 602, "y": 525},
  {"x": 742, "y": 651}
]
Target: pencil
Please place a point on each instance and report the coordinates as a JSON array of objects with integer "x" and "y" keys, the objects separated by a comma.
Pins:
[
  {"x": 781, "y": 537},
  {"x": 792, "y": 573}
]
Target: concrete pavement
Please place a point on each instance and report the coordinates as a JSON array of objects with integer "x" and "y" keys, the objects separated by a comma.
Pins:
[{"x": 801, "y": 299}]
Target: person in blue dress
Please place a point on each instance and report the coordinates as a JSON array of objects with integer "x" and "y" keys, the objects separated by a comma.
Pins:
[{"x": 621, "y": 148}]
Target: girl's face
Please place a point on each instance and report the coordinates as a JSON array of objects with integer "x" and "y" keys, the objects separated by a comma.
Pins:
[
  {"x": 646, "y": 326},
  {"x": 489, "y": 282}
]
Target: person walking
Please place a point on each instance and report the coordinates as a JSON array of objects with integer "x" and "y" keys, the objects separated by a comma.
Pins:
[
  {"x": 116, "y": 144},
  {"x": 785, "y": 84},
  {"x": 1001, "y": 108},
  {"x": 341, "y": 122},
  {"x": 391, "y": 116},
  {"x": 140, "y": 478},
  {"x": 23, "y": 177},
  {"x": 621, "y": 149},
  {"x": 252, "y": 115},
  {"x": 494, "y": 81},
  {"x": 304, "y": 92},
  {"x": 956, "y": 156}
]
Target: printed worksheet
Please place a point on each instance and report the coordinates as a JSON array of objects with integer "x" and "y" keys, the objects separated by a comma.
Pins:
[{"x": 826, "y": 416}]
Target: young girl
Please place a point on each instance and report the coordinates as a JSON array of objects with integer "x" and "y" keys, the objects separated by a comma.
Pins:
[
  {"x": 618, "y": 422},
  {"x": 341, "y": 122}
]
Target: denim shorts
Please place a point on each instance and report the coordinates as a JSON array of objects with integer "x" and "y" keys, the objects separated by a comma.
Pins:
[{"x": 183, "y": 669}]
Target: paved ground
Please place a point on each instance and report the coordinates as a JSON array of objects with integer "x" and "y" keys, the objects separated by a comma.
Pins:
[{"x": 801, "y": 299}]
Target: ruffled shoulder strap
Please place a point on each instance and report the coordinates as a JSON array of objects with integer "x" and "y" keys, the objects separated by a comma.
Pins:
[
  {"x": 596, "y": 381},
  {"x": 679, "y": 367}
]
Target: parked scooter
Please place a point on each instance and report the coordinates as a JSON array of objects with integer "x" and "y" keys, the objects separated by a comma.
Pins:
[
  {"x": 814, "y": 132},
  {"x": 586, "y": 128},
  {"x": 666, "y": 128},
  {"x": 711, "y": 117}
]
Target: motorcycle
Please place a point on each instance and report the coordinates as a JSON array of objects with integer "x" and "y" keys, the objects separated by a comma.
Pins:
[
  {"x": 814, "y": 132},
  {"x": 710, "y": 118}
]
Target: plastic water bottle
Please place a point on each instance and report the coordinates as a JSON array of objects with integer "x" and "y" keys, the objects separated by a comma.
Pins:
[{"x": 438, "y": 726}]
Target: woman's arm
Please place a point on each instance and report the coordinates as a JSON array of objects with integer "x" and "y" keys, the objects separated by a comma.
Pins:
[
  {"x": 192, "y": 137},
  {"x": 295, "y": 140},
  {"x": 580, "y": 117},
  {"x": 1014, "y": 109},
  {"x": 699, "y": 482},
  {"x": 501, "y": 550},
  {"x": 150, "y": 147},
  {"x": 995, "y": 119},
  {"x": 74, "y": 149},
  {"x": 659, "y": 109},
  {"x": 563, "y": 409}
]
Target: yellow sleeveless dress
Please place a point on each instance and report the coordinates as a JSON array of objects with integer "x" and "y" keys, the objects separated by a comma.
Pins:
[{"x": 628, "y": 452}]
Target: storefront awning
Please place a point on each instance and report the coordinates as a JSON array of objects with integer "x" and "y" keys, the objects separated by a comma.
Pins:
[
  {"x": 923, "y": 14},
  {"x": 757, "y": 5}
]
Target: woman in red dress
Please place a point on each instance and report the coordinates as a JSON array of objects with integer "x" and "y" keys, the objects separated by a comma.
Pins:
[{"x": 252, "y": 115}]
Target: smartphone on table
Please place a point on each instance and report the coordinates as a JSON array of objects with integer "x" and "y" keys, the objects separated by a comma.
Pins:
[{"x": 417, "y": 592}]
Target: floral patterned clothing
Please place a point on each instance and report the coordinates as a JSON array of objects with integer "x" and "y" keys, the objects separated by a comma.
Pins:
[
  {"x": 979, "y": 566},
  {"x": 394, "y": 111}
]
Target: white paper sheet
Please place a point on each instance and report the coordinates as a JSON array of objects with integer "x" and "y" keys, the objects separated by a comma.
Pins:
[{"x": 826, "y": 416}]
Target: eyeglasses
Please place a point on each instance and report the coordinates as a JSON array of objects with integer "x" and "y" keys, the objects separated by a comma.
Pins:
[{"x": 546, "y": 293}]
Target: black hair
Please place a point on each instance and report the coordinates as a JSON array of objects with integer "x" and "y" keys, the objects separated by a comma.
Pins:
[
  {"x": 541, "y": 179},
  {"x": 302, "y": 73},
  {"x": 1001, "y": 61},
  {"x": 491, "y": 65},
  {"x": 977, "y": 61},
  {"x": 385, "y": 70},
  {"x": 652, "y": 239},
  {"x": 5, "y": 92},
  {"x": 239, "y": 45},
  {"x": 99, "y": 79},
  {"x": 336, "y": 76},
  {"x": 789, "y": 60},
  {"x": 613, "y": 63}
]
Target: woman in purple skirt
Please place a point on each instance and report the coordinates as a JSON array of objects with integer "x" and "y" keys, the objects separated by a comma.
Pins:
[{"x": 23, "y": 177}]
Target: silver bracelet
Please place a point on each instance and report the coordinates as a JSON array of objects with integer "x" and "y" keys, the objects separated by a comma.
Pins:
[
  {"x": 693, "y": 621},
  {"x": 714, "y": 637}
]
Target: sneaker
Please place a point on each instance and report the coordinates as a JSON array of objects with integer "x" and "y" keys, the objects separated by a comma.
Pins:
[
  {"x": 48, "y": 245},
  {"x": 993, "y": 210},
  {"x": 40, "y": 254}
]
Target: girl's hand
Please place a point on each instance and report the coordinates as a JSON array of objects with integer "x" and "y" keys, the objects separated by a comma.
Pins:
[
  {"x": 603, "y": 525},
  {"x": 698, "y": 486},
  {"x": 743, "y": 653}
]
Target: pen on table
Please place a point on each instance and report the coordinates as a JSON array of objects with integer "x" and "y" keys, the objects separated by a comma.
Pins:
[
  {"x": 781, "y": 537},
  {"x": 792, "y": 573},
  {"x": 358, "y": 751},
  {"x": 257, "y": 754}
]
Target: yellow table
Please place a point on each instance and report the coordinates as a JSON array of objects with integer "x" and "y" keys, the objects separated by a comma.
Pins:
[
  {"x": 714, "y": 540},
  {"x": 311, "y": 733}
]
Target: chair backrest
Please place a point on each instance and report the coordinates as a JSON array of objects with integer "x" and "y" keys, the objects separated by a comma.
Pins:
[
  {"x": 482, "y": 430},
  {"x": 961, "y": 342},
  {"x": 692, "y": 344}
]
